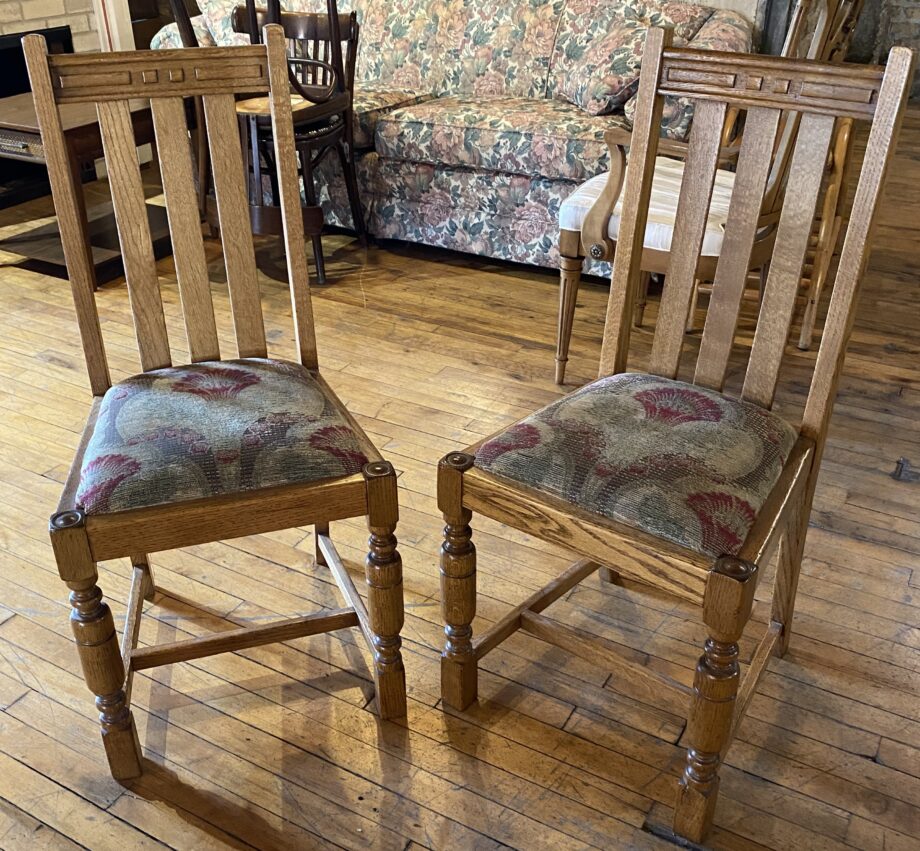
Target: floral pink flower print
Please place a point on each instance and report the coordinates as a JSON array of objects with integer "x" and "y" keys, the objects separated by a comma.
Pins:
[
  {"x": 520, "y": 436},
  {"x": 724, "y": 520},
  {"x": 676, "y": 405},
  {"x": 219, "y": 382},
  {"x": 530, "y": 223},
  {"x": 339, "y": 441},
  {"x": 107, "y": 472}
]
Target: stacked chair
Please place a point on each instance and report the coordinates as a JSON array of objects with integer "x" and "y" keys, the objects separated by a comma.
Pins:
[
  {"x": 589, "y": 218},
  {"x": 674, "y": 483}
]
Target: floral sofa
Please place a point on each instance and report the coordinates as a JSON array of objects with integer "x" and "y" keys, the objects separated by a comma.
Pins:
[{"x": 475, "y": 118}]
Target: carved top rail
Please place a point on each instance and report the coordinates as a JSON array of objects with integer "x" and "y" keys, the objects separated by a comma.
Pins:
[
  {"x": 185, "y": 72},
  {"x": 802, "y": 85}
]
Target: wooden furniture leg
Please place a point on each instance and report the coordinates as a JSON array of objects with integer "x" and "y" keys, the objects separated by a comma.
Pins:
[
  {"x": 97, "y": 643},
  {"x": 459, "y": 671},
  {"x": 347, "y": 160},
  {"x": 383, "y": 572},
  {"x": 788, "y": 568},
  {"x": 641, "y": 298},
  {"x": 309, "y": 191},
  {"x": 691, "y": 313},
  {"x": 569, "y": 279},
  {"x": 727, "y": 604},
  {"x": 149, "y": 587},
  {"x": 320, "y": 529}
]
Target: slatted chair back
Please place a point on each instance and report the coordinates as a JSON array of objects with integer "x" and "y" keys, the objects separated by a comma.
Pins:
[
  {"x": 164, "y": 78},
  {"x": 317, "y": 64},
  {"x": 764, "y": 87}
]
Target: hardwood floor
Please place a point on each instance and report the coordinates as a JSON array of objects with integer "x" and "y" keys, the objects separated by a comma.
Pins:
[{"x": 276, "y": 747}]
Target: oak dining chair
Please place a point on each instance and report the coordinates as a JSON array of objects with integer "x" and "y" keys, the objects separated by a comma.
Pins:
[
  {"x": 674, "y": 483},
  {"x": 185, "y": 454}
]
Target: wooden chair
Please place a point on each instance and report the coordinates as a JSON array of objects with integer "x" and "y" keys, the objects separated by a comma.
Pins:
[
  {"x": 588, "y": 218},
  {"x": 322, "y": 80},
  {"x": 189, "y": 454},
  {"x": 670, "y": 483}
]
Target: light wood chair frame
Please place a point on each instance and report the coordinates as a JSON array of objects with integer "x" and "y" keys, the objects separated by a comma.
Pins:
[
  {"x": 80, "y": 540},
  {"x": 766, "y": 87},
  {"x": 833, "y": 23}
]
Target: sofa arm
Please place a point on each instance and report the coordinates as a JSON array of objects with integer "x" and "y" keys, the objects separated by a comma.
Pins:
[{"x": 169, "y": 36}]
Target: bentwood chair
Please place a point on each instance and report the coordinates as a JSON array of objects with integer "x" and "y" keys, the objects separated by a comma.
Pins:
[
  {"x": 322, "y": 79},
  {"x": 670, "y": 483},
  {"x": 186, "y": 454},
  {"x": 589, "y": 218}
]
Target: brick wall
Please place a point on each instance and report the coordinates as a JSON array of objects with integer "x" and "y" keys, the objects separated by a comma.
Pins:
[{"x": 19, "y": 15}]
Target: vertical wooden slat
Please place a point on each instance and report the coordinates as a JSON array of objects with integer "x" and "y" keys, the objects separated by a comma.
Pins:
[
  {"x": 289, "y": 190},
  {"x": 687, "y": 242},
  {"x": 235, "y": 228},
  {"x": 134, "y": 233},
  {"x": 841, "y": 312},
  {"x": 185, "y": 227},
  {"x": 732, "y": 270},
  {"x": 73, "y": 234},
  {"x": 624, "y": 279},
  {"x": 805, "y": 176}
]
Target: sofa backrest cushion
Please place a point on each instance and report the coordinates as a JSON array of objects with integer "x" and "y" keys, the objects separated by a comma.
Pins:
[
  {"x": 485, "y": 47},
  {"x": 598, "y": 50},
  {"x": 726, "y": 30}
]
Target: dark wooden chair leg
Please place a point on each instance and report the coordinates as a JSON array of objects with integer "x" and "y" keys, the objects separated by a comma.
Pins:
[
  {"x": 347, "y": 159},
  {"x": 569, "y": 279},
  {"x": 309, "y": 190},
  {"x": 97, "y": 644},
  {"x": 786, "y": 584},
  {"x": 383, "y": 571},
  {"x": 459, "y": 668},
  {"x": 727, "y": 606}
]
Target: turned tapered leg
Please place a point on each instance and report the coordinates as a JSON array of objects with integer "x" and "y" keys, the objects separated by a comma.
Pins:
[
  {"x": 645, "y": 279},
  {"x": 726, "y": 608},
  {"x": 459, "y": 674},
  {"x": 97, "y": 643},
  {"x": 383, "y": 571},
  {"x": 569, "y": 278}
]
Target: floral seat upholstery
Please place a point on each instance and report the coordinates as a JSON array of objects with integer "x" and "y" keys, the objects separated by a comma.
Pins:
[
  {"x": 662, "y": 208},
  {"x": 516, "y": 135},
  {"x": 680, "y": 462},
  {"x": 213, "y": 428}
]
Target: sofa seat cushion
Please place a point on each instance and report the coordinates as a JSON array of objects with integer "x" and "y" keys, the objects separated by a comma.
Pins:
[
  {"x": 659, "y": 230},
  {"x": 529, "y": 136},
  {"x": 213, "y": 428},
  {"x": 680, "y": 462},
  {"x": 372, "y": 101}
]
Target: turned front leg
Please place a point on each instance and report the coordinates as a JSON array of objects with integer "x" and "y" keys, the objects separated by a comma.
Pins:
[
  {"x": 459, "y": 673},
  {"x": 383, "y": 572},
  {"x": 97, "y": 644},
  {"x": 727, "y": 606}
]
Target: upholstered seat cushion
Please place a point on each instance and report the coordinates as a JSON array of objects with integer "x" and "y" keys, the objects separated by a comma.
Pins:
[
  {"x": 680, "y": 462},
  {"x": 659, "y": 230},
  {"x": 371, "y": 101},
  {"x": 213, "y": 428},
  {"x": 515, "y": 135}
]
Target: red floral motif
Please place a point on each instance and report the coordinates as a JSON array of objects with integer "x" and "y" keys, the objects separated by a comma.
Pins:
[
  {"x": 108, "y": 472},
  {"x": 676, "y": 405},
  {"x": 520, "y": 436},
  {"x": 724, "y": 520},
  {"x": 339, "y": 441},
  {"x": 218, "y": 382}
]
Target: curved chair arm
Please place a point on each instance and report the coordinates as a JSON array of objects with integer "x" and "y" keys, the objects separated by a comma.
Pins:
[
  {"x": 595, "y": 240},
  {"x": 728, "y": 153},
  {"x": 313, "y": 94}
]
